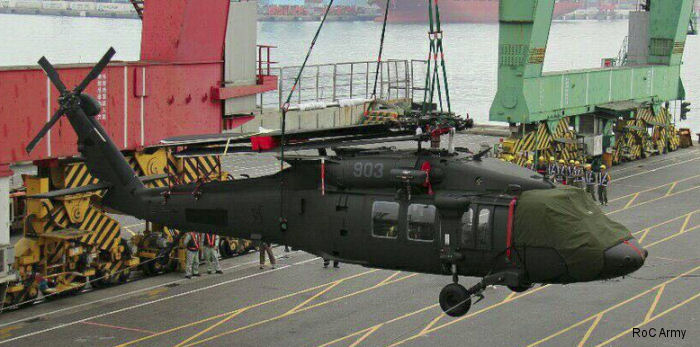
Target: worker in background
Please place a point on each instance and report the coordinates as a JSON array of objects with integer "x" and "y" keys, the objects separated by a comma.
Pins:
[
  {"x": 561, "y": 171},
  {"x": 604, "y": 182},
  {"x": 265, "y": 247},
  {"x": 528, "y": 164},
  {"x": 326, "y": 262},
  {"x": 578, "y": 175},
  {"x": 552, "y": 169},
  {"x": 542, "y": 166},
  {"x": 590, "y": 179},
  {"x": 192, "y": 243},
  {"x": 570, "y": 173},
  {"x": 211, "y": 255}
]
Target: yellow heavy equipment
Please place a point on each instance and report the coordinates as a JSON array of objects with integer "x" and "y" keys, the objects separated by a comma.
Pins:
[
  {"x": 69, "y": 240},
  {"x": 646, "y": 134}
]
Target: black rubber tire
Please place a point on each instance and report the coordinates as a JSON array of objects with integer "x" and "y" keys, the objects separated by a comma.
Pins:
[
  {"x": 520, "y": 289},
  {"x": 101, "y": 282},
  {"x": 152, "y": 268},
  {"x": 123, "y": 276},
  {"x": 225, "y": 249},
  {"x": 455, "y": 300},
  {"x": 26, "y": 300}
]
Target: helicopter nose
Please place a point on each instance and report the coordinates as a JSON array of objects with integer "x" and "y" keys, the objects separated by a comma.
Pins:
[{"x": 624, "y": 258}]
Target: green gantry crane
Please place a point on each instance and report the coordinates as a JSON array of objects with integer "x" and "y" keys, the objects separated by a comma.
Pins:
[{"x": 620, "y": 109}]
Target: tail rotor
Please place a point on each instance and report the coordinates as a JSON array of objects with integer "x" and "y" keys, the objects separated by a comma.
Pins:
[{"x": 68, "y": 99}]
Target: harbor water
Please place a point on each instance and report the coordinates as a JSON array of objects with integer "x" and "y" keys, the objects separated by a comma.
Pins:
[{"x": 470, "y": 49}]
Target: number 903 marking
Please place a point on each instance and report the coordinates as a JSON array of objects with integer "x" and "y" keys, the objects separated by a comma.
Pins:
[{"x": 368, "y": 170}]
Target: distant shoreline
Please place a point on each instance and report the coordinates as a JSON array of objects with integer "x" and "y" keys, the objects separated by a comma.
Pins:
[
  {"x": 68, "y": 13},
  {"x": 133, "y": 15}
]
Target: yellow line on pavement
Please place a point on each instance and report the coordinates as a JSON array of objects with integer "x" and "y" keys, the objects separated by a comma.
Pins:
[
  {"x": 665, "y": 222},
  {"x": 635, "y": 297},
  {"x": 389, "y": 278},
  {"x": 671, "y": 236},
  {"x": 654, "y": 303},
  {"x": 457, "y": 320},
  {"x": 590, "y": 330},
  {"x": 655, "y": 188},
  {"x": 655, "y": 199},
  {"x": 372, "y": 328},
  {"x": 160, "y": 333},
  {"x": 510, "y": 296},
  {"x": 670, "y": 189},
  {"x": 675, "y": 307},
  {"x": 300, "y": 310},
  {"x": 644, "y": 236},
  {"x": 685, "y": 222},
  {"x": 228, "y": 318},
  {"x": 365, "y": 336},
  {"x": 432, "y": 323},
  {"x": 381, "y": 324},
  {"x": 297, "y": 307},
  {"x": 629, "y": 203}
]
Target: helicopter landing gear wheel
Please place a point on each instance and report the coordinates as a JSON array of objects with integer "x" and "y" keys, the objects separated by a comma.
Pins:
[{"x": 455, "y": 300}]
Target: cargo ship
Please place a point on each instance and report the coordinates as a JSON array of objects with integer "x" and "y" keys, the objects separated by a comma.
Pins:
[{"x": 459, "y": 11}]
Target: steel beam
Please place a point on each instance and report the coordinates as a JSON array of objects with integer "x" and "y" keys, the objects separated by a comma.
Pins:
[{"x": 526, "y": 94}]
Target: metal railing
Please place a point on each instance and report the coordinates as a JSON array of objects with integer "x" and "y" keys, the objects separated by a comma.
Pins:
[{"x": 339, "y": 81}]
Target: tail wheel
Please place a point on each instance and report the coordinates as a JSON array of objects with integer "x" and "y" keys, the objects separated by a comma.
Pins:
[{"x": 455, "y": 300}]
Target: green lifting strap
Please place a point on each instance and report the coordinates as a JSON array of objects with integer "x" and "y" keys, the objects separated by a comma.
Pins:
[
  {"x": 432, "y": 79},
  {"x": 373, "y": 103}
]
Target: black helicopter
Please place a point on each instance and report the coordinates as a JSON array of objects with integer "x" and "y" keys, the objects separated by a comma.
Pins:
[{"x": 424, "y": 210}]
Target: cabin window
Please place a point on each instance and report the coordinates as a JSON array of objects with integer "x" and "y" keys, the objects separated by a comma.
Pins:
[
  {"x": 467, "y": 231},
  {"x": 423, "y": 222},
  {"x": 385, "y": 219},
  {"x": 483, "y": 234}
]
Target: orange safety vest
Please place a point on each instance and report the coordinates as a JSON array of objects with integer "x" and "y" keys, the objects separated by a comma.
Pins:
[
  {"x": 209, "y": 240},
  {"x": 193, "y": 243}
]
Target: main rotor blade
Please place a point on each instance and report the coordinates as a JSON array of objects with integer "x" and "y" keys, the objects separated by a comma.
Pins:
[
  {"x": 56, "y": 116},
  {"x": 96, "y": 70},
  {"x": 53, "y": 75}
]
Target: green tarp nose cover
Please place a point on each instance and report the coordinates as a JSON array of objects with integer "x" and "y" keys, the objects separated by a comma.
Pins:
[{"x": 568, "y": 220}]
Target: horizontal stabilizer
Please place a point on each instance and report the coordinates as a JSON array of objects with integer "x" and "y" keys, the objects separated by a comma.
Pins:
[{"x": 87, "y": 188}]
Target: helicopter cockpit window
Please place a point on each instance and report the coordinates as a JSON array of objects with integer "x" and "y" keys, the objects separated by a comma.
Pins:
[
  {"x": 483, "y": 239},
  {"x": 467, "y": 231},
  {"x": 422, "y": 222},
  {"x": 385, "y": 219}
]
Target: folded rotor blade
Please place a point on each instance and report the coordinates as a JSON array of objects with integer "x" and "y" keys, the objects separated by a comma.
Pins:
[
  {"x": 96, "y": 70},
  {"x": 45, "y": 129},
  {"x": 53, "y": 75}
]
